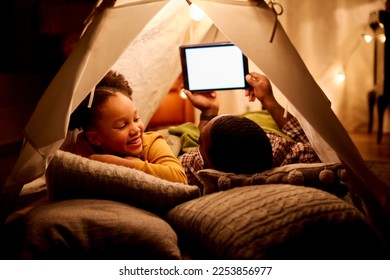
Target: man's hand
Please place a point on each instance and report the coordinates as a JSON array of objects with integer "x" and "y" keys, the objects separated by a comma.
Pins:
[
  {"x": 261, "y": 88},
  {"x": 205, "y": 101}
]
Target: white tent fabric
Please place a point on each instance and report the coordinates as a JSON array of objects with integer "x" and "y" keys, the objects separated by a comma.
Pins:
[
  {"x": 114, "y": 39},
  {"x": 100, "y": 46},
  {"x": 328, "y": 36}
]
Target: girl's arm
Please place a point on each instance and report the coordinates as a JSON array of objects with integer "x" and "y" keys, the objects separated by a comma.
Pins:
[{"x": 159, "y": 160}]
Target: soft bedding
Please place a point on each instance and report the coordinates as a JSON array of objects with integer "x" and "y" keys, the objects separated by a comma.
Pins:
[
  {"x": 265, "y": 120},
  {"x": 97, "y": 229},
  {"x": 274, "y": 221},
  {"x": 99, "y": 210},
  {"x": 71, "y": 176},
  {"x": 330, "y": 177}
]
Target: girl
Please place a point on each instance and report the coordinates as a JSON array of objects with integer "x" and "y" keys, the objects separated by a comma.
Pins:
[{"x": 114, "y": 133}]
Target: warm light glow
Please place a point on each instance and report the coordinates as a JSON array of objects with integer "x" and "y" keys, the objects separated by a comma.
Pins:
[
  {"x": 182, "y": 94},
  {"x": 367, "y": 38},
  {"x": 382, "y": 38},
  {"x": 196, "y": 13},
  {"x": 340, "y": 77}
]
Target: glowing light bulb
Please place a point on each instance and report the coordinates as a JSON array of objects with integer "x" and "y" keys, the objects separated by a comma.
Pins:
[
  {"x": 183, "y": 95},
  {"x": 340, "y": 77},
  {"x": 382, "y": 38},
  {"x": 196, "y": 13},
  {"x": 367, "y": 38}
]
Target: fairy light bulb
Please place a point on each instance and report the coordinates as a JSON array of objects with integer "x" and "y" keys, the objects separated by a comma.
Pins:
[
  {"x": 196, "y": 13},
  {"x": 340, "y": 77},
  {"x": 367, "y": 38},
  {"x": 382, "y": 38}
]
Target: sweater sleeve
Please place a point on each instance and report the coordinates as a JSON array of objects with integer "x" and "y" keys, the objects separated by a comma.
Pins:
[{"x": 158, "y": 159}]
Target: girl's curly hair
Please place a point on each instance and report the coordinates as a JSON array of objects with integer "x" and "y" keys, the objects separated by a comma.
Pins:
[{"x": 83, "y": 116}]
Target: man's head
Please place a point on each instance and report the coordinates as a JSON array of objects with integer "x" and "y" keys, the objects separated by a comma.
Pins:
[{"x": 235, "y": 144}]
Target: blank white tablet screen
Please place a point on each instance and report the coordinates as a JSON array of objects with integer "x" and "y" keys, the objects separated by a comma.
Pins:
[{"x": 215, "y": 68}]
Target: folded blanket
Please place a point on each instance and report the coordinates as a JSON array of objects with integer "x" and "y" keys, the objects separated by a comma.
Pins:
[
  {"x": 189, "y": 134},
  {"x": 265, "y": 120}
]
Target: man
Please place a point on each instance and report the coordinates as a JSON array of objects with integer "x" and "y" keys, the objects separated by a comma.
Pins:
[{"x": 284, "y": 151}]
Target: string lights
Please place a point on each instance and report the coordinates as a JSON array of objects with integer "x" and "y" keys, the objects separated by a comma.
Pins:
[
  {"x": 374, "y": 32},
  {"x": 374, "y": 29}
]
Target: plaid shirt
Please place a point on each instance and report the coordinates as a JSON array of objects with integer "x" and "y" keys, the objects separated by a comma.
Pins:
[{"x": 285, "y": 151}]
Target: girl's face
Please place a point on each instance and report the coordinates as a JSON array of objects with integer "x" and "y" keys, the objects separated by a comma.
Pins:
[{"x": 119, "y": 129}]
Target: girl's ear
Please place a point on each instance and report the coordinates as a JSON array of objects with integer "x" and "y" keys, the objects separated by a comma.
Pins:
[{"x": 93, "y": 138}]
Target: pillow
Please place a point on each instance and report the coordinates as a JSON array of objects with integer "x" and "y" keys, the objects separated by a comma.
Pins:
[
  {"x": 274, "y": 222},
  {"x": 96, "y": 229},
  {"x": 325, "y": 176},
  {"x": 71, "y": 176}
]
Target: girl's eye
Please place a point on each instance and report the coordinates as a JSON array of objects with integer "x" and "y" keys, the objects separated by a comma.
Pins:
[
  {"x": 121, "y": 126},
  {"x": 137, "y": 119}
]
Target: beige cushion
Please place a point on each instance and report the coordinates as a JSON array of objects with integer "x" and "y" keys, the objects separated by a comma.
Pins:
[
  {"x": 274, "y": 222},
  {"x": 97, "y": 229},
  {"x": 326, "y": 176},
  {"x": 71, "y": 176}
]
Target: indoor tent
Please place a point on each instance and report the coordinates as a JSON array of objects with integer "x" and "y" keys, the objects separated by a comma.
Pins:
[{"x": 146, "y": 35}]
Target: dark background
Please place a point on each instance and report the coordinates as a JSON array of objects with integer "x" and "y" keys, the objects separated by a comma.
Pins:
[{"x": 36, "y": 38}]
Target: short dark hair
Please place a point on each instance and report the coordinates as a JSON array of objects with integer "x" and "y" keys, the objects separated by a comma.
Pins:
[
  {"x": 85, "y": 117},
  {"x": 239, "y": 145}
]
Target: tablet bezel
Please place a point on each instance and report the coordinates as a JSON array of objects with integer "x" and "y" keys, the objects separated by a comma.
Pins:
[{"x": 183, "y": 60}]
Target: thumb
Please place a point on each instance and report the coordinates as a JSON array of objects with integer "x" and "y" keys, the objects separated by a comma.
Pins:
[{"x": 187, "y": 92}]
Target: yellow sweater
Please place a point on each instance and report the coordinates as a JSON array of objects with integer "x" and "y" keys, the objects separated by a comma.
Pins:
[
  {"x": 159, "y": 160},
  {"x": 157, "y": 157}
]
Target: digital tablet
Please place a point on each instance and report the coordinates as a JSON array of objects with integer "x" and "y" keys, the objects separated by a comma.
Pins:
[{"x": 213, "y": 66}]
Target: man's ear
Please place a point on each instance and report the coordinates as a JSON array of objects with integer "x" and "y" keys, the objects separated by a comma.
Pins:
[{"x": 93, "y": 137}]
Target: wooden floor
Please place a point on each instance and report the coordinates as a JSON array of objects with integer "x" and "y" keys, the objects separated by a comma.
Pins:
[{"x": 369, "y": 148}]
